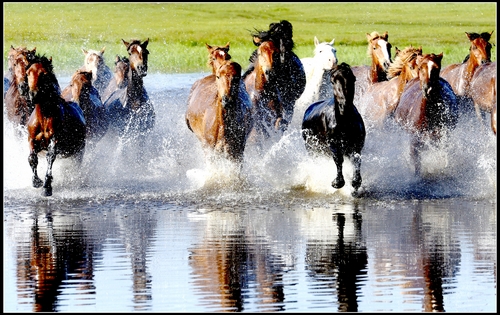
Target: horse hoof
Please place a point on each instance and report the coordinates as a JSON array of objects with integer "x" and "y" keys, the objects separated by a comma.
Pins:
[
  {"x": 338, "y": 183},
  {"x": 37, "y": 182},
  {"x": 47, "y": 192}
]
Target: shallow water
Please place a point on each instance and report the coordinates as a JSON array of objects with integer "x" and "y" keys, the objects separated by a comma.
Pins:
[{"x": 172, "y": 233}]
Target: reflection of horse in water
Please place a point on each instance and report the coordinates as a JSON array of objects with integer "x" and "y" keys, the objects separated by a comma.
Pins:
[
  {"x": 232, "y": 263},
  {"x": 336, "y": 250},
  {"x": 58, "y": 256}
]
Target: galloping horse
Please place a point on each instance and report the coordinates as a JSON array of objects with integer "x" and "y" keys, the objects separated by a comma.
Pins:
[
  {"x": 381, "y": 99},
  {"x": 334, "y": 127},
  {"x": 317, "y": 70},
  {"x": 129, "y": 109},
  {"x": 459, "y": 75},
  {"x": 55, "y": 126},
  {"x": 428, "y": 107},
  {"x": 483, "y": 91},
  {"x": 219, "y": 112},
  {"x": 81, "y": 91},
  {"x": 379, "y": 51},
  {"x": 275, "y": 78},
  {"x": 16, "y": 99},
  {"x": 101, "y": 73}
]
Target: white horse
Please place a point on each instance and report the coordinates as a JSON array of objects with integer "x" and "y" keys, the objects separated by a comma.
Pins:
[
  {"x": 317, "y": 68},
  {"x": 101, "y": 73}
]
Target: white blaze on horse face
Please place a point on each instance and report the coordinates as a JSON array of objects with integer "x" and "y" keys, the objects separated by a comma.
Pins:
[
  {"x": 222, "y": 53},
  {"x": 383, "y": 44}
]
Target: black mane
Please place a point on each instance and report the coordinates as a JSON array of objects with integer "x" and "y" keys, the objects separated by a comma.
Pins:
[{"x": 277, "y": 31}]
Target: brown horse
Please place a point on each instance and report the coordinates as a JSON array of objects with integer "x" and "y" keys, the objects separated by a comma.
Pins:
[
  {"x": 219, "y": 112},
  {"x": 217, "y": 55},
  {"x": 17, "y": 104},
  {"x": 275, "y": 79},
  {"x": 81, "y": 91},
  {"x": 483, "y": 91},
  {"x": 428, "y": 107},
  {"x": 130, "y": 111},
  {"x": 381, "y": 98},
  {"x": 334, "y": 126},
  {"x": 379, "y": 52},
  {"x": 459, "y": 75},
  {"x": 55, "y": 126}
]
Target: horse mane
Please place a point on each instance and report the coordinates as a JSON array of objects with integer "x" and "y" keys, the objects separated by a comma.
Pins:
[
  {"x": 46, "y": 62},
  {"x": 344, "y": 68},
  {"x": 277, "y": 31},
  {"x": 403, "y": 57}
]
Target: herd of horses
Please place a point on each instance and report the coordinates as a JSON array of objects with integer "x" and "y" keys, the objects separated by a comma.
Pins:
[{"x": 232, "y": 107}]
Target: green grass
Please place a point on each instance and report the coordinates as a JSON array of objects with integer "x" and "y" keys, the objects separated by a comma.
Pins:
[{"x": 178, "y": 31}]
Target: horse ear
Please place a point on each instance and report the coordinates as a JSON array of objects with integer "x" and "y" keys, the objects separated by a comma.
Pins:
[
  {"x": 227, "y": 46},
  {"x": 316, "y": 41},
  {"x": 333, "y": 41},
  {"x": 208, "y": 47},
  {"x": 440, "y": 56},
  {"x": 12, "y": 47},
  {"x": 145, "y": 43},
  {"x": 84, "y": 51},
  {"x": 117, "y": 58},
  {"x": 103, "y": 49},
  {"x": 368, "y": 37},
  {"x": 386, "y": 36},
  {"x": 125, "y": 43}
]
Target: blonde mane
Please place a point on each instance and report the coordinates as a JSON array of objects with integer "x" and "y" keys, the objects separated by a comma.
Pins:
[
  {"x": 374, "y": 36},
  {"x": 403, "y": 58}
]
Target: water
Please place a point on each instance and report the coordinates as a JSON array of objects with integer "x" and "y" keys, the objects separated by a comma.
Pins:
[{"x": 172, "y": 233}]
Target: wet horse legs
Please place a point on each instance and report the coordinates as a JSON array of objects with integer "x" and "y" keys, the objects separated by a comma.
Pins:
[
  {"x": 51, "y": 157},
  {"x": 338, "y": 157}
]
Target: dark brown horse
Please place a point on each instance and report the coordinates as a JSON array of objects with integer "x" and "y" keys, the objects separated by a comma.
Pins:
[
  {"x": 275, "y": 78},
  {"x": 381, "y": 98},
  {"x": 459, "y": 75},
  {"x": 219, "y": 112},
  {"x": 379, "y": 52},
  {"x": 428, "y": 107},
  {"x": 81, "y": 91},
  {"x": 130, "y": 111},
  {"x": 55, "y": 126},
  {"x": 334, "y": 126},
  {"x": 16, "y": 101},
  {"x": 483, "y": 91}
]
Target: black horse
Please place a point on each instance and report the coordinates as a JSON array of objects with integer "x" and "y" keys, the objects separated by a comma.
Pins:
[{"x": 334, "y": 126}]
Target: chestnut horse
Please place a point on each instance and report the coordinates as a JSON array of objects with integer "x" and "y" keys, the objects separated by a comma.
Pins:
[
  {"x": 81, "y": 91},
  {"x": 16, "y": 101},
  {"x": 428, "y": 107},
  {"x": 275, "y": 79},
  {"x": 381, "y": 98},
  {"x": 459, "y": 75},
  {"x": 217, "y": 55},
  {"x": 219, "y": 112},
  {"x": 129, "y": 109},
  {"x": 379, "y": 52},
  {"x": 334, "y": 126},
  {"x": 483, "y": 91},
  {"x": 55, "y": 126}
]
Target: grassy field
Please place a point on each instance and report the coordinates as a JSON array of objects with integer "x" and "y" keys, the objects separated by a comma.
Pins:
[{"x": 178, "y": 31}]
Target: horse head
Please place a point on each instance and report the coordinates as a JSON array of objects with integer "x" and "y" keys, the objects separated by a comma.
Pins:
[
  {"x": 343, "y": 81},
  {"x": 138, "y": 56},
  {"x": 217, "y": 55},
  {"x": 81, "y": 83},
  {"x": 228, "y": 77},
  {"x": 480, "y": 48},
  {"x": 41, "y": 78},
  {"x": 325, "y": 54},
  {"x": 429, "y": 67},
  {"x": 267, "y": 58},
  {"x": 94, "y": 60},
  {"x": 122, "y": 67},
  {"x": 379, "y": 49}
]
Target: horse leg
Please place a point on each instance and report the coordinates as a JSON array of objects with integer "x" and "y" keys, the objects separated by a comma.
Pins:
[
  {"x": 51, "y": 157},
  {"x": 338, "y": 157},
  {"x": 33, "y": 161},
  {"x": 416, "y": 147},
  {"x": 356, "y": 161}
]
